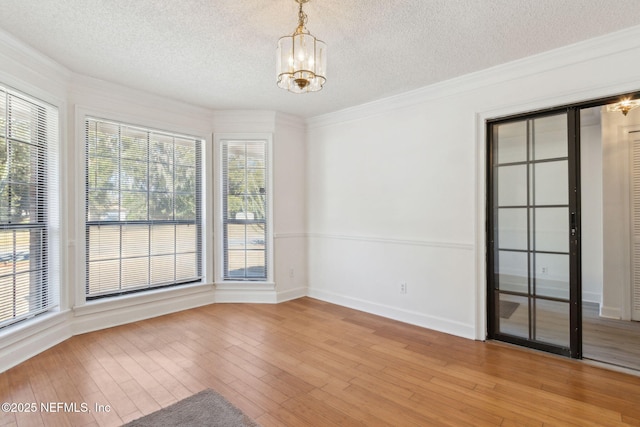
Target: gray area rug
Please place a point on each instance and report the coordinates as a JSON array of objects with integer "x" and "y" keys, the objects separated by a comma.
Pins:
[
  {"x": 206, "y": 408},
  {"x": 507, "y": 308}
]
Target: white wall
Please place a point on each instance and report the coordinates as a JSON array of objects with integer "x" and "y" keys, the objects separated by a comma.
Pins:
[
  {"x": 290, "y": 214},
  {"x": 591, "y": 209},
  {"x": 396, "y": 188},
  {"x": 389, "y": 202},
  {"x": 616, "y": 213}
]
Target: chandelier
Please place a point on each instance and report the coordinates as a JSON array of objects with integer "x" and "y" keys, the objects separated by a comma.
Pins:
[
  {"x": 624, "y": 106},
  {"x": 302, "y": 59}
]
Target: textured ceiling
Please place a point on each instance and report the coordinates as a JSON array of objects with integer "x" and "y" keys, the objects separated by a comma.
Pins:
[{"x": 220, "y": 54}]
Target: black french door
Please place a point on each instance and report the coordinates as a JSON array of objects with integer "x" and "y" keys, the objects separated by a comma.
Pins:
[{"x": 533, "y": 231}]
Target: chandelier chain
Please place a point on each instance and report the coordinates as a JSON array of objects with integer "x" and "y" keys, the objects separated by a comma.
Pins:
[{"x": 302, "y": 20}]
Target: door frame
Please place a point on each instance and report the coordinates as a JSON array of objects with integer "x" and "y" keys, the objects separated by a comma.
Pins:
[
  {"x": 484, "y": 256},
  {"x": 575, "y": 307}
]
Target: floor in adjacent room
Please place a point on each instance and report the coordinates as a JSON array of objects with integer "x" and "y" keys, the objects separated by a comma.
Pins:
[{"x": 611, "y": 341}]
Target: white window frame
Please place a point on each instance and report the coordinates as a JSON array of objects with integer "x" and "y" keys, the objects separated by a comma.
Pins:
[
  {"x": 221, "y": 282},
  {"x": 81, "y": 305},
  {"x": 52, "y": 250}
]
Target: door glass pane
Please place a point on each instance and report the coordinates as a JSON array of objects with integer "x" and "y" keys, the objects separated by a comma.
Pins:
[
  {"x": 513, "y": 314},
  {"x": 552, "y": 229},
  {"x": 552, "y": 275},
  {"x": 552, "y": 322},
  {"x": 531, "y": 199},
  {"x": 512, "y": 228},
  {"x": 512, "y": 185},
  {"x": 513, "y": 274},
  {"x": 512, "y": 142},
  {"x": 552, "y": 183},
  {"x": 550, "y": 137}
]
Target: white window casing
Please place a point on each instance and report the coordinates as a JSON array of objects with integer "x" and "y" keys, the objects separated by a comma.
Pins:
[
  {"x": 143, "y": 208},
  {"x": 29, "y": 207},
  {"x": 244, "y": 205}
]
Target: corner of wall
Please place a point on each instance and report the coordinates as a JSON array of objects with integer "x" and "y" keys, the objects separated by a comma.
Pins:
[{"x": 25, "y": 341}]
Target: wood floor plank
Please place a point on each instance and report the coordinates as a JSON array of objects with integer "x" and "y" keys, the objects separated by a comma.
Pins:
[
  {"x": 610, "y": 340},
  {"x": 312, "y": 363},
  {"x": 336, "y": 401},
  {"x": 268, "y": 420},
  {"x": 316, "y": 412}
]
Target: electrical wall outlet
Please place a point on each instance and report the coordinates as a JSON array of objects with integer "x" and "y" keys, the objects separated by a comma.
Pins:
[
  {"x": 291, "y": 272},
  {"x": 403, "y": 287}
]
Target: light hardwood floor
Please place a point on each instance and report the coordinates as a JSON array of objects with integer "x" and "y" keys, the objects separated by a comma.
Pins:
[
  {"x": 608, "y": 340},
  {"x": 307, "y": 362}
]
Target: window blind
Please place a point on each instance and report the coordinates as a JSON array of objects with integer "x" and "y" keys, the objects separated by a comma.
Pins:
[
  {"x": 28, "y": 206},
  {"x": 143, "y": 208},
  {"x": 244, "y": 181},
  {"x": 635, "y": 225}
]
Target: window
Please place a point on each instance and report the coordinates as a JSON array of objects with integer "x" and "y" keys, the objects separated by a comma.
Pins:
[
  {"x": 28, "y": 202},
  {"x": 143, "y": 209},
  {"x": 244, "y": 183}
]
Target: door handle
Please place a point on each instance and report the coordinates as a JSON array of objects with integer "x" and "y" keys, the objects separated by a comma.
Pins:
[{"x": 573, "y": 224}]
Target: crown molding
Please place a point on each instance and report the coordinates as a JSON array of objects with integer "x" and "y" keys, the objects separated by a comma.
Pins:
[
  {"x": 85, "y": 85},
  {"x": 258, "y": 120},
  {"x": 26, "y": 69},
  {"x": 230, "y": 121},
  {"x": 18, "y": 49},
  {"x": 290, "y": 121},
  {"x": 609, "y": 44}
]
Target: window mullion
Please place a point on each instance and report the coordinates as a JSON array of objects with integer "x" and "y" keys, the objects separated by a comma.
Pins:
[
  {"x": 173, "y": 208},
  {"x": 9, "y": 183},
  {"x": 119, "y": 166},
  {"x": 13, "y": 273},
  {"x": 149, "y": 226},
  {"x": 246, "y": 208}
]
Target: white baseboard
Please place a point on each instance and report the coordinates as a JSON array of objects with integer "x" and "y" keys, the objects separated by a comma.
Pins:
[
  {"x": 24, "y": 342},
  {"x": 115, "y": 312},
  {"x": 292, "y": 294},
  {"x": 255, "y": 296},
  {"x": 269, "y": 296},
  {"x": 593, "y": 297},
  {"x": 20, "y": 342},
  {"x": 406, "y": 316},
  {"x": 610, "y": 312}
]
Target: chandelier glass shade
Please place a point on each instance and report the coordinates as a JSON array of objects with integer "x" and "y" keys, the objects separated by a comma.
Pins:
[
  {"x": 301, "y": 59},
  {"x": 624, "y": 106}
]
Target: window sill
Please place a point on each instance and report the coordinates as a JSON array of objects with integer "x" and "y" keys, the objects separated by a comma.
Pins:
[{"x": 130, "y": 300}]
